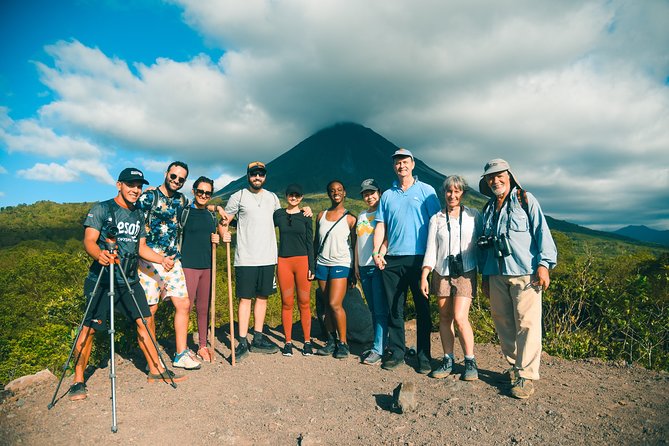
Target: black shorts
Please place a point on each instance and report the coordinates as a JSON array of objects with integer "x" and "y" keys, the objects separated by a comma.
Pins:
[
  {"x": 255, "y": 281},
  {"x": 98, "y": 313}
]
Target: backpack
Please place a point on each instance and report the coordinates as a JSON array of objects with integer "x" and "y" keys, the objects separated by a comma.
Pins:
[{"x": 184, "y": 218}]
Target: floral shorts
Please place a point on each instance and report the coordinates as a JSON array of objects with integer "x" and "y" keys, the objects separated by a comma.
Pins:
[{"x": 160, "y": 284}]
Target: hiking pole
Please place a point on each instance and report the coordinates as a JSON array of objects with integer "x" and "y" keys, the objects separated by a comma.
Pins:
[
  {"x": 112, "y": 361},
  {"x": 76, "y": 338},
  {"x": 231, "y": 314},
  {"x": 212, "y": 305}
]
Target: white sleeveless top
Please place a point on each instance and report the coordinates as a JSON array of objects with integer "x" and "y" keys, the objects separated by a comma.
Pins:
[{"x": 337, "y": 250}]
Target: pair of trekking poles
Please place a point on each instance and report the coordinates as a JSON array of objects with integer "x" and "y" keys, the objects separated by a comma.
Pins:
[{"x": 111, "y": 246}]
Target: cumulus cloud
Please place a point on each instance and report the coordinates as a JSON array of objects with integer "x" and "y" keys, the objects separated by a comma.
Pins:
[
  {"x": 3, "y": 170},
  {"x": 49, "y": 172}
]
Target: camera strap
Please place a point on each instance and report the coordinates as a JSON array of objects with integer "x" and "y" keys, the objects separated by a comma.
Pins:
[{"x": 448, "y": 226}]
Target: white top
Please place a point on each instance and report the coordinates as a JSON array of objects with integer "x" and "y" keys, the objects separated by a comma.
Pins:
[
  {"x": 437, "y": 252},
  {"x": 336, "y": 250},
  {"x": 256, "y": 238},
  {"x": 364, "y": 229}
]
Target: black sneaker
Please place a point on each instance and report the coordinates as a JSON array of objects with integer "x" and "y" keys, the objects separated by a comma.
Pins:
[
  {"x": 78, "y": 392},
  {"x": 423, "y": 364},
  {"x": 308, "y": 349},
  {"x": 260, "y": 344},
  {"x": 327, "y": 349},
  {"x": 471, "y": 370},
  {"x": 287, "y": 349},
  {"x": 390, "y": 361},
  {"x": 342, "y": 351},
  {"x": 241, "y": 351}
]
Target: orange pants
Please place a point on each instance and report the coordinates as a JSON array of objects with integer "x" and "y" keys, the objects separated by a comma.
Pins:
[{"x": 292, "y": 273}]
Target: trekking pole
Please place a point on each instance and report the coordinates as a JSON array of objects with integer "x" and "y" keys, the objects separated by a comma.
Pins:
[
  {"x": 231, "y": 313},
  {"x": 212, "y": 305}
]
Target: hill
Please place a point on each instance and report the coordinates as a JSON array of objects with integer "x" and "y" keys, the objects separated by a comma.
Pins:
[
  {"x": 348, "y": 152},
  {"x": 645, "y": 234}
]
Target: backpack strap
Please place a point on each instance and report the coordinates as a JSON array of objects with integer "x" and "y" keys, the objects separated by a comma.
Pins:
[{"x": 522, "y": 199}]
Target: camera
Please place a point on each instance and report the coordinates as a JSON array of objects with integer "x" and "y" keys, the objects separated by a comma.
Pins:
[
  {"x": 455, "y": 266},
  {"x": 500, "y": 244},
  {"x": 110, "y": 232},
  {"x": 485, "y": 241}
]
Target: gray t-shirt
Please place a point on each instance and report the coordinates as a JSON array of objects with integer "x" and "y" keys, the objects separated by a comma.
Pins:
[{"x": 256, "y": 238}]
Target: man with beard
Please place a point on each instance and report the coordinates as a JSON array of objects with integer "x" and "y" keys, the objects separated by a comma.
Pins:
[
  {"x": 121, "y": 216},
  {"x": 162, "y": 210},
  {"x": 517, "y": 252},
  {"x": 403, "y": 218},
  {"x": 255, "y": 256}
]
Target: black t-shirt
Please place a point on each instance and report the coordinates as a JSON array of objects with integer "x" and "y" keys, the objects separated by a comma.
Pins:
[
  {"x": 295, "y": 235},
  {"x": 130, "y": 227},
  {"x": 196, "y": 244}
]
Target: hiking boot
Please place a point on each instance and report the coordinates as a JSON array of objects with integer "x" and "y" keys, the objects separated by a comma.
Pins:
[
  {"x": 471, "y": 370},
  {"x": 522, "y": 388},
  {"x": 78, "y": 392},
  {"x": 308, "y": 349},
  {"x": 260, "y": 344},
  {"x": 390, "y": 361},
  {"x": 166, "y": 376},
  {"x": 342, "y": 351},
  {"x": 372, "y": 358},
  {"x": 423, "y": 367},
  {"x": 444, "y": 369},
  {"x": 327, "y": 349},
  {"x": 510, "y": 375},
  {"x": 287, "y": 349},
  {"x": 184, "y": 360},
  {"x": 241, "y": 351}
]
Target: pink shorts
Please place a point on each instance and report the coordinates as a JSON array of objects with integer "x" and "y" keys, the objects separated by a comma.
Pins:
[{"x": 160, "y": 284}]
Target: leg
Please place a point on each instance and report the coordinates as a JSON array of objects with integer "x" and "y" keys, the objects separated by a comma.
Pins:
[
  {"x": 243, "y": 316},
  {"x": 502, "y": 311},
  {"x": 395, "y": 287},
  {"x": 461, "y": 314},
  {"x": 83, "y": 352},
  {"x": 329, "y": 323},
  {"x": 147, "y": 346},
  {"x": 304, "y": 296},
  {"x": 423, "y": 321},
  {"x": 202, "y": 306},
  {"x": 446, "y": 331},
  {"x": 181, "y": 316},
  {"x": 527, "y": 310},
  {"x": 259, "y": 310},
  {"x": 286, "y": 279},
  {"x": 336, "y": 293}
]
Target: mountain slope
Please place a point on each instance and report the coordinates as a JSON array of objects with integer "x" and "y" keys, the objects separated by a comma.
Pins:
[{"x": 645, "y": 234}]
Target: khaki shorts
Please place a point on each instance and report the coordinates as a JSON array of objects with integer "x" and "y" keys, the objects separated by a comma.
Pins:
[
  {"x": 160, "y": 284},
  {"x": 463, "y": 286}
]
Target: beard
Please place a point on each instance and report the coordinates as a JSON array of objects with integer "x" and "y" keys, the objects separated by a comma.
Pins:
[{"x": 498, "y": 191}]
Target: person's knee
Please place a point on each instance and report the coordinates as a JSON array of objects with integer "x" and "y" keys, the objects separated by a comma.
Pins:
[{"x": 462, "y": 320}]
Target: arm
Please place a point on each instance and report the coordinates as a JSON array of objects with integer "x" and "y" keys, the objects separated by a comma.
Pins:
[
  {"x": 310, "y": 247},
  {"x": 103, "y": 257},
  {"x": 379, "y": 237},
  {"x": 351, "y": 220},
  {"x": 424, "y": 286},
  {"x": 149, "y": 254},
  {"x": 317, "y": 242},
  {"x": 544, "y": 240}
]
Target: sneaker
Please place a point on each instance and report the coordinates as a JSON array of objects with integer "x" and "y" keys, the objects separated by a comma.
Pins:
[
  {"x": 287, "y": 349},
  {"x": 166, "y": 376},
  {"x": 260, "y": 344},
  {"x": 78, "y": 392},
  {"x": 423, "y": 367},
  {"x": 390, "y": 362},
  {"x": 308, "y": 349},
  {"x": 327, "y": 349},
  {"x": 471, "y": 370},
  {"x": 444, "y": 368},
  {"x": 372, "y": 358},
  {"x": 185, "y": 361},
  {"x": 522, "y": 388},
  {"x": 241, "y": 351},
  {"x": 342, "y": 351}
]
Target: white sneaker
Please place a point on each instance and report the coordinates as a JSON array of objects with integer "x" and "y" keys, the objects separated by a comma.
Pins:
[{"x": 184, "y": 360}]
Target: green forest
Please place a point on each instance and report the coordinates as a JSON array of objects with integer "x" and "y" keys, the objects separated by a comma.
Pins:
[{"x": 609, "y": 298}]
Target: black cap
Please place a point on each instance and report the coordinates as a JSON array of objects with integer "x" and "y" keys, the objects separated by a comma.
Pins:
[
  {"x": 369, "y": 184},
  {"x": 255, "y": 166},
  {"x": 131, "y": 174},
  {"x": 294, "y": 189}
]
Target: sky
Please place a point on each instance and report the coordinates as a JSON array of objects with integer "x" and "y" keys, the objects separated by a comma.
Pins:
[{"x": 574, "y": 94}]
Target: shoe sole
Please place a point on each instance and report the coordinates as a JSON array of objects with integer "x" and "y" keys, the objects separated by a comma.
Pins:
[
  {"x": 287, "y": 355},
  {"x": 322, "y": 353},
  {"x": 375, "y": 363},
  {"x": 263, "y": 351},
  {"x": 197, "y": 367},
  {"x": 470, "y": 378},
  {"x": 165, "y": 379},
  {"x": 341, "y": 356},
  {"x": 439, "y": 375},
  {"x": 241, "y": 356},
  {"x": 391, "y": 366},
  {"x": 78, "y": 397}
]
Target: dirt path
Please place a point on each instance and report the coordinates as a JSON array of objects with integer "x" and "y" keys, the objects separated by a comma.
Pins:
[{"x": 271, "y": 399}]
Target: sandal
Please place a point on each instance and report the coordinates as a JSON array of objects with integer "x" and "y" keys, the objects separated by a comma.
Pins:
[{"x": 204, "y": 354}]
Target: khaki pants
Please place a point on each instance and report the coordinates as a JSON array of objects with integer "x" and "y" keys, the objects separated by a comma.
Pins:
[{"x": 516, "y": 311}]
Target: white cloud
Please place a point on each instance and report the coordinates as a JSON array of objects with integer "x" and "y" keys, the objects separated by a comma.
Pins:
[
  {"x": 3, "y": 170},
  {"x": 49, "y": 172},
  {"x": 223, "y": 180}
]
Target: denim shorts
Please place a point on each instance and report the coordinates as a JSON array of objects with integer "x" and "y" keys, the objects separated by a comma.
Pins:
[{"x": 331, "y": 272}]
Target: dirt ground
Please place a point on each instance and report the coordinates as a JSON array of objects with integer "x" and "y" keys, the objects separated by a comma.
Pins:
[{"x": 271, "y": 399}]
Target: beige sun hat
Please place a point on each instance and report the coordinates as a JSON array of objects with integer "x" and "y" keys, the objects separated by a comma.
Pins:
[{"x": 494, "y": 166}]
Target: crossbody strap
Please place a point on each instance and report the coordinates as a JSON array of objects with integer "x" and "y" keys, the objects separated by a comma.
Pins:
[{"x": 320, "y": 248}]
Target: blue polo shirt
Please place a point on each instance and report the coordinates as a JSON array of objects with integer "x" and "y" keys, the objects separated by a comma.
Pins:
[{"x": 406, "y": 215}]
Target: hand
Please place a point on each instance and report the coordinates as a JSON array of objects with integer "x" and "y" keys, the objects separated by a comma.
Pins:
[
  {"x": 310, "y": 276},
  {"x": 424, "y": 287},
  {"x": 215, "y": 239},
  {"x": 380, "y": 261},
  {"x": 307, "y": 211},
  {"x": 168, "y": 263},
  {"x": 543, "y": 278},
  {"x": 227, "y": 237},
  {"x": 106, "y": 258},
  {"x": 224, "y": 217}
]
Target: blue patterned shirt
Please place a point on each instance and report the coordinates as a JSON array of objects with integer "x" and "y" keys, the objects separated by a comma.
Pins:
[{"x": 162, "y": 228}]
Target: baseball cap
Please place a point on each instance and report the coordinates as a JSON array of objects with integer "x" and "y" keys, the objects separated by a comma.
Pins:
[
  {"x": 294, "y": 189},
  {"x": 256, "y": 165},
  {"x": 369, "y": 184},
  {"x": 402, "y": 152},
  {"x": 130, "y": 174}
]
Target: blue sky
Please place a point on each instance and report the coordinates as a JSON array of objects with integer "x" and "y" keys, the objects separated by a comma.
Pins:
[{"x": 573, "y": 93}]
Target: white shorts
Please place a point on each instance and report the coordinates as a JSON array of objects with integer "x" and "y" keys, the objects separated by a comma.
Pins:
[{"x": 160, "y": 284}]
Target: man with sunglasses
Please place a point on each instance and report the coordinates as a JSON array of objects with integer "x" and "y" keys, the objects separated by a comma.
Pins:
[{"x": 162, "y": 210}]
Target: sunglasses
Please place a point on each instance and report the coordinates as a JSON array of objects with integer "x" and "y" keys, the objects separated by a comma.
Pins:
[
  {"x": 204, "y": 193},
  {"x": 257, "y": 173},
  {"x": 177, "y": 178}
]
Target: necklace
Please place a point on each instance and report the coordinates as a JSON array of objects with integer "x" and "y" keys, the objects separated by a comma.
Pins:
[{"x": 258, "y": 201}]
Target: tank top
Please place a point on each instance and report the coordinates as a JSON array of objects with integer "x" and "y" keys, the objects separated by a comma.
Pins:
[{"x": 336, "y": 250}]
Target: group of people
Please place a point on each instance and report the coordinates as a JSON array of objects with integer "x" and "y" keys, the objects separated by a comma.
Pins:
[{"x": 402, "y": 241}]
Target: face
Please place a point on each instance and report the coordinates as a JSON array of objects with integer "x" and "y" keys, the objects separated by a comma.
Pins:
[
  {"x": 336, "y": 193},
  {"x": 453, "y": 196},
  {"x": 499, "y": 183},
  {"x": 294, "y": 199},
  {"x": 175, "y": 178},
  {"x": 257, "y": 179},
  {"x": 202, "y": 193},
  {"x": 371, "y": 197},
  {"x": 403, "y": 166},
  {"x": 130, "y": 191}
]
